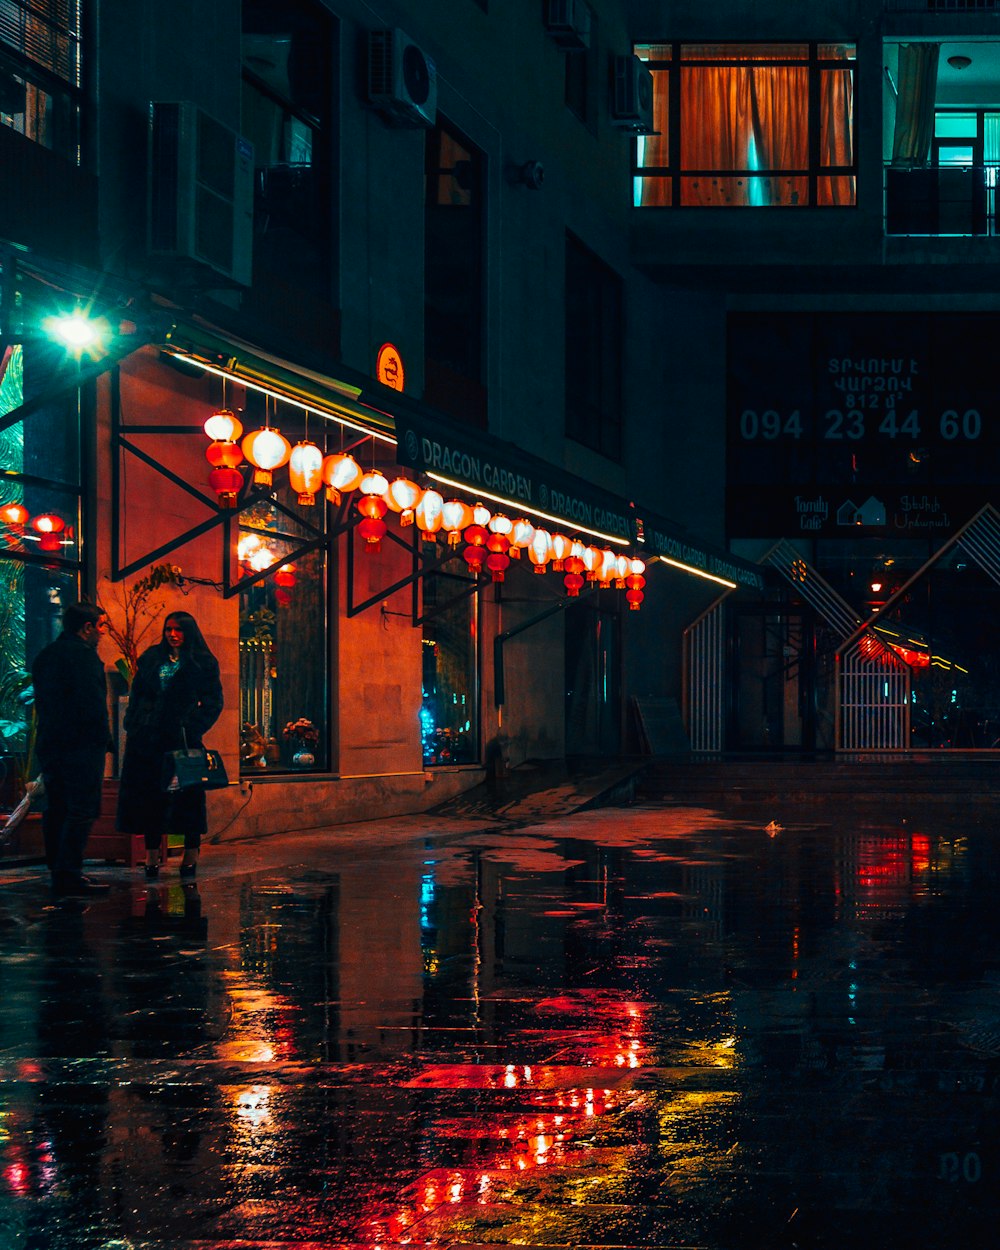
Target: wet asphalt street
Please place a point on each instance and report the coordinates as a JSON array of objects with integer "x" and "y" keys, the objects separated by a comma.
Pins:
[{"x": 647, "y": 1026}]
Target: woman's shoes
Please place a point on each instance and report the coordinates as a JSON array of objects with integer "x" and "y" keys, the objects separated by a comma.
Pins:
[
  {"x": 188, "y": 870},
  {"x": 152, "y": 871}
]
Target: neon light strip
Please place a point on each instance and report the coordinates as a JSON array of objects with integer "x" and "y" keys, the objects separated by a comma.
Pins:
[
  {"x": 285, "y": 399},
  {"x": 687, "y": 568},
  {"x": 514, "y": 503}
]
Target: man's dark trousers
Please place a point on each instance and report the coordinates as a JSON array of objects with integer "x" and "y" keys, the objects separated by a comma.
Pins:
[{"x": 73, "y": 792}]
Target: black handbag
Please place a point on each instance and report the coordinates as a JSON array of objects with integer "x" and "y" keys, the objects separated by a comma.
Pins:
[{"x": 193, "y": 768}]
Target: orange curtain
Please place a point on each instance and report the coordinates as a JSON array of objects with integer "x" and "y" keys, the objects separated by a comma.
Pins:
[
  {"x": 836, "y": 136},
  {"x": 723, "y": 108}
]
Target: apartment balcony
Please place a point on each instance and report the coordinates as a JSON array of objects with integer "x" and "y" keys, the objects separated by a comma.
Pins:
[
  {"x": 941, "y": 201},
  {"x": 942, "y": 6}
]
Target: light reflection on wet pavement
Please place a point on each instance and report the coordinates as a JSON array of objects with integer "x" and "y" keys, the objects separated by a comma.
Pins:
[{"x": 649, "y": 1027}]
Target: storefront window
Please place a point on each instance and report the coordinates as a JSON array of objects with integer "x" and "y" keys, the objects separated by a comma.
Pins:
[
  {"x": 39, "y": 533},
  {"x": 283, "y": 635},
  {"x": 449, "y": 714}
]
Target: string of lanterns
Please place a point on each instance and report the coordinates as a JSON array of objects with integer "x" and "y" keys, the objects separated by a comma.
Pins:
[{"x": 491, "y": 539}]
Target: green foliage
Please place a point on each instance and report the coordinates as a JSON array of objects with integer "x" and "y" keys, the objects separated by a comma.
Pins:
[{"x": 18, "y": 723}]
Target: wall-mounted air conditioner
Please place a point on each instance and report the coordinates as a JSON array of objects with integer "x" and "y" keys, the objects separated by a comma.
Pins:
[
  {"x": 200, "y": 190},
  {"x": 568, "y": 22},
  {"x": 632, "y": 95},
  {"x": 402, "y": 79}
]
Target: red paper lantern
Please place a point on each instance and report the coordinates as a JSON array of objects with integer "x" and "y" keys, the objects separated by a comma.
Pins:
[
  {"x": 285, "y": 576},
  {"x": 635, "y": 582},
  {"x": 498, "y": 543},
  {"x": 373, "y": 507},
  {"x": 227, "y": 484},
  {"x": 573, "y": 582},
  {"x": 282, "y": 598},
  {"x": 48, "y": 526},
  {"x": 635, "y": 598},
  {"x": 574, "y": 564},
  {"x": 223, "y": 454},
  {"x": 476, "y": 536},
  {"x": 497, "y": 563},
  {"x": 474, "y": 555},
  {"x": 372, "y": 530},
  {"x": 14, "y": 515}
]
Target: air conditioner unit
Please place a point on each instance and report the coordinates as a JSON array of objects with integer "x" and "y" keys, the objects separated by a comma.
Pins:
[
  {"x": 568, "y": 22},
  {"x": 402, "y": 79},
  {"x": 200, "y": 191},
  {"x": 632, "y": 95}
]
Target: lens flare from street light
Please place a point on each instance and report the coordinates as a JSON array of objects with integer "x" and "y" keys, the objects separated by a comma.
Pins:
[{"x": 80, "y": 333}]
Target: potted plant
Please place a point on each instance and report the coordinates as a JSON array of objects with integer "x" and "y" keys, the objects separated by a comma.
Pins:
[{"x": 134, "y": 611}]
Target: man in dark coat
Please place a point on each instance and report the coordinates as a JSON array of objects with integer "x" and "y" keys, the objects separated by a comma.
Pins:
[{"x": 72, "y": 740}]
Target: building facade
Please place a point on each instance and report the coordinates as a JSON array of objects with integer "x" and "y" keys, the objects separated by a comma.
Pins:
[
  {"x": 400, "y": 241},
  {"x": 816, "y": 199},
  {"x": 710, "y": 290}
]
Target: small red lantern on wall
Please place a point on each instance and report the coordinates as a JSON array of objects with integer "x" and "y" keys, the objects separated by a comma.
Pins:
[
  {"x": 285, "y": 577},
  {"x": 14, "y": 515},
  {"x": 48, "y": 526}
]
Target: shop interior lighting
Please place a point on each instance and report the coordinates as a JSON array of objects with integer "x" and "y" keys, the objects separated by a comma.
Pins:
[
  {"x": 519, "y": 506},
  {"x": 285, "y": 399},
  {"x": 689, "y": 568}
]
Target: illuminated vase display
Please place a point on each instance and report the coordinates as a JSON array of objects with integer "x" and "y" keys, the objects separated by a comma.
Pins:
[{"x": 303, "y": 756}]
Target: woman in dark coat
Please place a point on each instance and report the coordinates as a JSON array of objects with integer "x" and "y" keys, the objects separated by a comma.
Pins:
[{"x": 176, "y": 694}]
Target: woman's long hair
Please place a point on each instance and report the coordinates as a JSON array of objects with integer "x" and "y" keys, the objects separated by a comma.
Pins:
[{"x": 195, "y": 647}]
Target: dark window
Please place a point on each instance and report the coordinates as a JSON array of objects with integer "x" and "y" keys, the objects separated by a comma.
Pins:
[
  {"x": 581, "y": 78},
  {"x": 748, "y": 126},
  {"x": 453, "y": 274},
  {"x": 286, "y": 105},
  {"x": 594, "y": 306},
  {"x": 40, "y": 72}
]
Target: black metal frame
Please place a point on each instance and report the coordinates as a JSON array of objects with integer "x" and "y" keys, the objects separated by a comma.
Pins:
[{"x": 421, "y": 567}]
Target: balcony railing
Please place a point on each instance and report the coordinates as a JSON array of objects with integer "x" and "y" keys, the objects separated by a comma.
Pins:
[
  {"x": 942, "y": 6},
  {"x": 941, "y": 200}
]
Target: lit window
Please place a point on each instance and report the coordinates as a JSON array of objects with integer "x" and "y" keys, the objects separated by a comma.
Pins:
[{"x": 748, "y": 125}]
